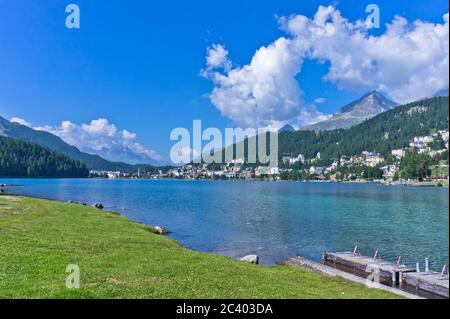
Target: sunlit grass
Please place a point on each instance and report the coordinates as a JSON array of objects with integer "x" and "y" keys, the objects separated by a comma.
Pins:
[{"x": 119, "y": 258}]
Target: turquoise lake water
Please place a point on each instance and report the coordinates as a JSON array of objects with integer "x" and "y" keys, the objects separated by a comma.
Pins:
[{"x": 274, "y": 220}]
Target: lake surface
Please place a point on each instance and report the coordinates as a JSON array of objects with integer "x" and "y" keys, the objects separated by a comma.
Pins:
[{"x": 274, "y": 220}]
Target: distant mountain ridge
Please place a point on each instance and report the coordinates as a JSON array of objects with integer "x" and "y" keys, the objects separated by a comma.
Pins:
[
  {"x": 286, "y": 128},
  {"x": 55, "y": 143},
  {"x": 367, "y": 107}
]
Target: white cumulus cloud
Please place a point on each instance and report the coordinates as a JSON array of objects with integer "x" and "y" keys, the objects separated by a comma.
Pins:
[
  {"x": 320, "y": 100},
  {"x": 310, "y": 115},
  {"x": 409, "y": 61},
  {"x": 262, "y": 93},
  {"x": 105, "y": 139},
  {"x": 20, "y": 121},
  {"x": 217, "y": 57}
]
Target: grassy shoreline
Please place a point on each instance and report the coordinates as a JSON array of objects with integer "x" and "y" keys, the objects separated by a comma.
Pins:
[{"x": 119, "y": 258}]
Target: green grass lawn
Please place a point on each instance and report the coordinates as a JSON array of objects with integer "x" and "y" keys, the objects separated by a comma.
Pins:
[{"x": 119, "y": 258}]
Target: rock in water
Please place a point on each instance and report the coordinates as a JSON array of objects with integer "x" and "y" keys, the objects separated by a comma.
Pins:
[
  {"x": 98, "y": 205},
  {"x": 161, "y": 231},
  {"x": 253, "y": 259}
]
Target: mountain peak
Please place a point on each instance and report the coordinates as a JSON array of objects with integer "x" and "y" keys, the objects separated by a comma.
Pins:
[
  {"x": 286, "y": 128},
  {"x": 373, "y": 99},
  {"x": 368, "y": 106}
]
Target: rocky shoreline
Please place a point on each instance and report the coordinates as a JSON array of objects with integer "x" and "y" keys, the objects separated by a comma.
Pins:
[{"x": 252, "y": 259}]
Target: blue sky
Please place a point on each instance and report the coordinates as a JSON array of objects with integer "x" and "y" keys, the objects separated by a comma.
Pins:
[{"x": 138, "y": 63}]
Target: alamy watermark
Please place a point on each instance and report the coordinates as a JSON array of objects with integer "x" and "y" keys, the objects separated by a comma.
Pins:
[
  {"x": 374, "y": 18},
  {"x": 374, "y": 278},
  {"x": 73, "y": 279},
  {"x": 73, "y": 18},
  {"x": 256, "y": 146}
]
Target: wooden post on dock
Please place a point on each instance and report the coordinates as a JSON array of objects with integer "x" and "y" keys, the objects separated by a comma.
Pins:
[
  {"x": 444, "y": 270},
  {"x": 375, "y": 257}
]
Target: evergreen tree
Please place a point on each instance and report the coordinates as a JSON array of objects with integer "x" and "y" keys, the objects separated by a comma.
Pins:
[{"x": 23, "y": 159}]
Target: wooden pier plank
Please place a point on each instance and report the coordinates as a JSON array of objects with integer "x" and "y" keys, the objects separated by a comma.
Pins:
[
  {"x": 431, "y": 282},
  {"x": 362, "y": 262}
]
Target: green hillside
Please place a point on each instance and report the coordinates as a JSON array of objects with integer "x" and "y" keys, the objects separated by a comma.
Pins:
[
  {"x": 54, "y": 143},
  {"x": 390, "y": 130},
  {"x": 22, "y": 159}
]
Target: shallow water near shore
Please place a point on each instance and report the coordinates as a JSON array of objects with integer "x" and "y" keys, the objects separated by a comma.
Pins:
[{"x": 274, "y": 220}]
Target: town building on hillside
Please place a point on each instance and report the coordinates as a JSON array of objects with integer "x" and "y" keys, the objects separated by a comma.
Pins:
[
  {"x": 334, "y": 165},
  {"x": 355, "y": 160},
  {"x": 293, "y": 160},
  {"x": 219, "y": 173},
  {"x": 267, "y": 171},
  {"x": 444, "y": 136},
  {"x": 372, "y": 159},
  {"x": 399, "y": 153},
  {"x": 428, "y": 139},
  {"x": 424, "y": 150},
  {"x": 316, "y": 170},
  {"x": 235, "y": 166},
  {"x": 113, "y": 175},
  {"x": 389, "y": 171},
  {"x": 421, "y": 142}
]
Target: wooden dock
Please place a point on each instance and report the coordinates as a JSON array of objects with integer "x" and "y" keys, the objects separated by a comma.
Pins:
[
  {"x": 432, "y": 282},
  {"x": 388, "y": 272},
  {"x": 322, "y": 269}
]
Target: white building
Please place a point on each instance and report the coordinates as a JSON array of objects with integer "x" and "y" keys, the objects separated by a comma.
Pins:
[
  {"x": 294, "y": 160},
  {"x": 316, "y": 170},
  {"x": 428, "y": 139},
  {"x": 334, "y": 165},
  {"x": 112, "y": 175},
  {"x": 238, "y": 161},
  {"x": 420, "y": 142},
  {"x": 444, "y": 136},
  {"x": 400, "y": 153},
  {"x": 266, "y": 170},
  {"x": 424, "y": 150},
  {"x": 373, "y": 159},
  {"x": 389, "y": 171}
]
